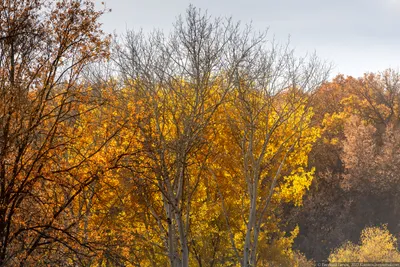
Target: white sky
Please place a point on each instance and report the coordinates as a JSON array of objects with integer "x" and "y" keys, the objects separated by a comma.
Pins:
[{"x": 356, "y": 35}]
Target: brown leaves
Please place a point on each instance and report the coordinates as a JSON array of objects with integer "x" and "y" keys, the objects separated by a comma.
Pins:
[{"x": 44, "y": 46}]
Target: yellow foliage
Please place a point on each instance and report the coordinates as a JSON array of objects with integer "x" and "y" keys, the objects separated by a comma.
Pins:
[
  {"x": 295, "y": 186},
  {"x": 377, "y": 244},
  {"x": 127, "y": 211}
]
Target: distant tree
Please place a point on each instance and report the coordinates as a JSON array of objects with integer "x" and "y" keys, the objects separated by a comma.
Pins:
[
  {"x": 376, "y": 245},
  {"x": 356, "y": 162}
]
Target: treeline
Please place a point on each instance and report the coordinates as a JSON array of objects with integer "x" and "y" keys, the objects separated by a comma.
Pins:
[
  {"x": 357, "y": 161},
  {"x": 209, "y": 146}
]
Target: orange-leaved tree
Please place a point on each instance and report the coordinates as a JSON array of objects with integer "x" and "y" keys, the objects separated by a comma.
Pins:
[{"x": 44, "y": 46}]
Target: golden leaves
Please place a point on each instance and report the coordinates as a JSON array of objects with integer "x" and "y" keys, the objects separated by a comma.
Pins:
[{"x": 377, "y": 244}]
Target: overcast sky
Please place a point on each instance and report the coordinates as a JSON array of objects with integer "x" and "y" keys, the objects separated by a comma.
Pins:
[{"x": 356, "y": 35}]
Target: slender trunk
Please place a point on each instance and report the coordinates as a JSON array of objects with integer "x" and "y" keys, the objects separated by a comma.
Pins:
[
  {"x": 253, "y": 255},
  {"x": 248, "y": 245},
  {"x": 183, "y": 240},
  {"x": 3, "y": 224},
  {"x": 172, "y": 253},
  {"x": 2, "y": 236}
]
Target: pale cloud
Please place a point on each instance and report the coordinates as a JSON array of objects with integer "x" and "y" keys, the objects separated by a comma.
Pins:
[{"x": 358, "y": 35}]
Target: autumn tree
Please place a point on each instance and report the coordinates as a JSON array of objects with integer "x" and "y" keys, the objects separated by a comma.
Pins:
[
  {"x": 376, "y": 98},
  {"x": 355, "y": 160},
  {"x": 270, "y": 136},
  {"x": 181, "y": 80},
  {"x": 377, "y": 244},
  {"x": 43, "y": 47}
]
